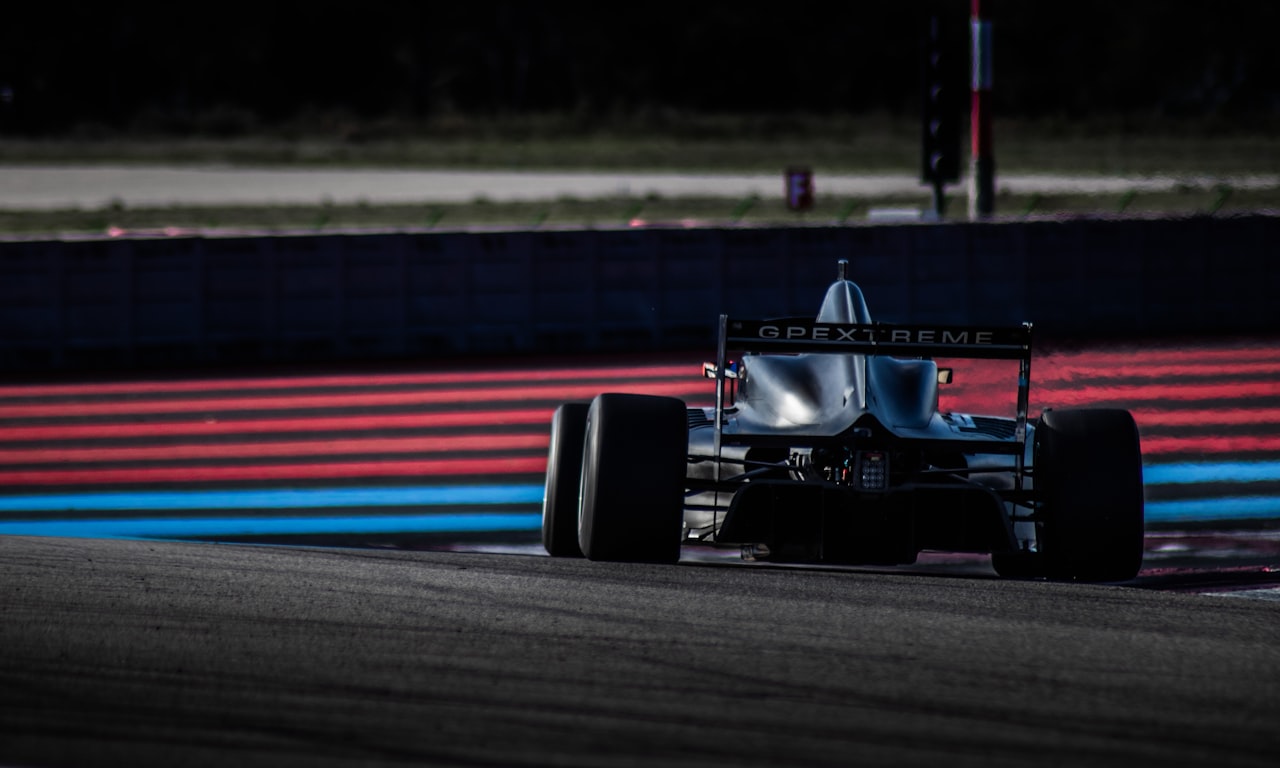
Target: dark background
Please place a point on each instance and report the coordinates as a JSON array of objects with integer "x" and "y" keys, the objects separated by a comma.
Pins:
[{"x": 231, "y": 67}]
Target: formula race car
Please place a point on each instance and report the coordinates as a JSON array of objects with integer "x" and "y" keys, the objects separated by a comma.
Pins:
[{"x": 826, "y": 445}]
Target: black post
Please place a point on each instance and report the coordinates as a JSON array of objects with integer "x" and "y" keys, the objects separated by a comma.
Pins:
[{"x": 941, "y": 79}]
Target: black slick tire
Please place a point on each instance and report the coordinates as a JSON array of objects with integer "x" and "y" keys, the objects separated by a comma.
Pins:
[
  {"x": 633, "y": 479},
  {"x": 564, "y": 474},
  {"x": 1088, "y": 478}
]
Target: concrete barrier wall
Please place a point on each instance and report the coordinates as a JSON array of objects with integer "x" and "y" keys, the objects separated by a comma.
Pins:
[{"x": 68, "y": 304}]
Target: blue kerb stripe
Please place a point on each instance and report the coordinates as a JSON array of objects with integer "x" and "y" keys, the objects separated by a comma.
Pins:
[
  {"x": 1217, "y": 472},
  {"x": 1194, "y": 510},
  {"x": 314, "y": 498},
  {"x": 1183, "y": 510},
  {"x": 1250, "y": 507},
  {"x": 272, "y": 526}
]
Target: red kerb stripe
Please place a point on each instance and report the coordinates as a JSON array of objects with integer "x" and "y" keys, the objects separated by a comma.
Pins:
[{"x": 494, "y": 467}]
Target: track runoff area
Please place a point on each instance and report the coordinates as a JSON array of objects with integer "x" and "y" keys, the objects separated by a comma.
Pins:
[{"x": 450, "y": 456}]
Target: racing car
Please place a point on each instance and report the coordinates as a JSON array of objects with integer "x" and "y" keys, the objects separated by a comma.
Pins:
[{"x": 826, "y": 445}]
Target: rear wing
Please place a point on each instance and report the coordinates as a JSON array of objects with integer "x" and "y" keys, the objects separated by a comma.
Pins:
[
  {"x": 805, "y": 335},
  {"x": 797, "y": 335}
]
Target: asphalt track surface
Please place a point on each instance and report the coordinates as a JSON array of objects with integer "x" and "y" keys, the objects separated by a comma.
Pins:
[
  {"x": 34, "y": 187},
  {"x": 149, "y": 653}
]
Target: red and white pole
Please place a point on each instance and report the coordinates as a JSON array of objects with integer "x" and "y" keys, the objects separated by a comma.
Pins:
[{"x": 982, "y": 163}]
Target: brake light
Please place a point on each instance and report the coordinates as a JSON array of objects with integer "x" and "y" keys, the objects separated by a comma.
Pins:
[{"x": 872, "y": 470}]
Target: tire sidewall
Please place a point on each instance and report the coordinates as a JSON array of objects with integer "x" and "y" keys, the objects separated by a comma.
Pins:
[
  {"x": 560, "y": 494},
  {"x": 633, "y": 478}
]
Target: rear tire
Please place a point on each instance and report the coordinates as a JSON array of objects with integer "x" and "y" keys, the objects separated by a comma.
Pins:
[
  {"x": 564, "y": 475},
  {"x": 633, "y": 479},
  {"x": 1088, "y": 477}
]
